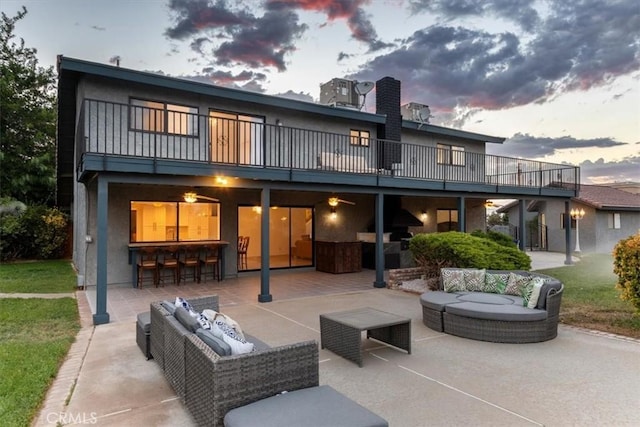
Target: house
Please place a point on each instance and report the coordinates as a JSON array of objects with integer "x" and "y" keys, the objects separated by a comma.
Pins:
[
  {"x": 610, "y": 215},
  {"x": 145, "y": 159}
]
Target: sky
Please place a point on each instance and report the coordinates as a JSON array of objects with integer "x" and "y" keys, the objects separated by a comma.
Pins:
[{"x": 559, "y": 79}]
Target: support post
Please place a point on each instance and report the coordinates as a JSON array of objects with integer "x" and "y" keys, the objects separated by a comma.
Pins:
[
  {"x": 102, "y": 235},
  {"x": 522, "y": 244},
  {"x": 265, "y": 202},
  {"x": 462, "y": 215},
  {"x": 379, "y": 282}
]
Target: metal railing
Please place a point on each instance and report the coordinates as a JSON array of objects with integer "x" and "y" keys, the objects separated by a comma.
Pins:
[{"x": 109, "y": 128}]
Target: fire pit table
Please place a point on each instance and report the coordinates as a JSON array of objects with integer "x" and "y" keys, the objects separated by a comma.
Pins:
[{"x": 341, "y": 332}]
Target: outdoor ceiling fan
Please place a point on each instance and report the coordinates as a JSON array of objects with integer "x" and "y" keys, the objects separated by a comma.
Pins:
[
  {"x": 192, "y": 197},
  {"x": 334, "y": 201}
]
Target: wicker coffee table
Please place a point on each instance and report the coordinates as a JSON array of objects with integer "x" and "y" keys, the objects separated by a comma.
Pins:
[{"x": 341, "y": 332}]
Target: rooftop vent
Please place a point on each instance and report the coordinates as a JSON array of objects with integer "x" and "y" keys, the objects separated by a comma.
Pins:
[
  {"x": 344, "y": 93},
  {"x": 416, "y": 112}
]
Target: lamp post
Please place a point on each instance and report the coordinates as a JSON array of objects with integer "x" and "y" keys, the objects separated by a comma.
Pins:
[{"x": 577, "y": 214}]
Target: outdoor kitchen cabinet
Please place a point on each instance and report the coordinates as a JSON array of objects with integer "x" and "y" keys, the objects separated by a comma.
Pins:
[{"x": 338, "y": 257}]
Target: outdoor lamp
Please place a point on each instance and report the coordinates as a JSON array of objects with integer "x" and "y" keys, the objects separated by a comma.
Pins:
[{"x": 190, "y": 197}]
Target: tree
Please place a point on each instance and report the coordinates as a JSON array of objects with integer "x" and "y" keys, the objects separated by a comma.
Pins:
[
  {"x": 27, "y": 120},
  {"x": 497, "y": 219}
]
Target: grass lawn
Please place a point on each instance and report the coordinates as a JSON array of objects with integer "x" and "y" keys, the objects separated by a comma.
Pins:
[
  {"x": 37, "y": 276},
  {"x": 35, "y": 336},
  {"x": 591, "y": 300}
]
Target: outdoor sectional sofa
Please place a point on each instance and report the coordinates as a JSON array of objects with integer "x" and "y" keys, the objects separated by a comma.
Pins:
[
  {"x": 210, "y": 384},
  {"x": 269, "y": 386},
  {"x": 494, "y": 305}
]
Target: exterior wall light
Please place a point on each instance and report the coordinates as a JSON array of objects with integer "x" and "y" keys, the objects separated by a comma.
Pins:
[
  {"x": 190, "y": 197},
  {"x": 334, "y": 213},
  {"x": 423, "y": 215}
]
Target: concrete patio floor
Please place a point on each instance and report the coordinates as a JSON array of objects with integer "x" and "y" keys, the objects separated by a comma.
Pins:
[{"x": 580, "y": 378}]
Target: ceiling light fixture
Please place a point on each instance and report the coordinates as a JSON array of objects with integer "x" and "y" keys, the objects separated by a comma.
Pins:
[{"x": 191, "y": 197}]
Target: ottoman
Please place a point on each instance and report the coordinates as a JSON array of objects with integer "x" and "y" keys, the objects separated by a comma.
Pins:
[
  {"x": 143, "y": 333},
  {"x": 309, "y": 407}
]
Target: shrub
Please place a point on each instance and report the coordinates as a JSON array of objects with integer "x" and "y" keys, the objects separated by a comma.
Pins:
[
  {"x": 455, "y": 249},
  {"x": 626, "y": 265},
  {"x": 37, "y": 232},
  {"x": 500, "y": 238}
]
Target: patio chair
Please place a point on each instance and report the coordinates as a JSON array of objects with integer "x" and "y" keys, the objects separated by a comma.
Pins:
[
  {"x": 168, "y": 261},
  {"x": 147, "y": 261},
  {"x": 210, "y": 258}
]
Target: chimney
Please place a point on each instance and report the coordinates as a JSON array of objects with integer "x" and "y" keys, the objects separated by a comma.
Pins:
[{"x": 388, "y": 103}]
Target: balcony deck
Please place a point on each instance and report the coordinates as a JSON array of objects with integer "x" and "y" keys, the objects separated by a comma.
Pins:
[{"x": 127, "y": 139}]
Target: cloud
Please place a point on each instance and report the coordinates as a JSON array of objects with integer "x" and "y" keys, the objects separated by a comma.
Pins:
[
  {"x": 519, "y": 11},
  {"x": 456, "y": 69},
  {"x": 531, "y": 147},
  {"x": 352, "y": 11},
  {"x": 300, "y": 96},
  {"x": 247, "y": 80},
  {"x": 600, "y": 172},
  {"x": 250, "y": 40}
]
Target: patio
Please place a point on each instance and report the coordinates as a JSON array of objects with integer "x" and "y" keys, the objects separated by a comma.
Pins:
[{"x": 579, "y": 378}]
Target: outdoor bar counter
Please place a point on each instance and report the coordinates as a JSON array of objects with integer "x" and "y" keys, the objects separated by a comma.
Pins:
[{"x": 133, "y": 252}]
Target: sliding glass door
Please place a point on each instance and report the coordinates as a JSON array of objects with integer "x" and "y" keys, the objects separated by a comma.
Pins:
[
  {"x": 290, "y": 237},
  {"x": 236, "y": 138}
]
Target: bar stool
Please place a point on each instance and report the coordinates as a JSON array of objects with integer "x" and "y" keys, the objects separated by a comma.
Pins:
[
  {"x": 211, "y": 258},
  {"x": 243, "y": 245},
  {"x": 168, "y": 261},
  {"x": 147, "y": 261},
  {"x": 190, "y": 259}
]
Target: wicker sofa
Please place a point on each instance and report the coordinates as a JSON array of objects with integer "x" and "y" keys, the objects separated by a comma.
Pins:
[
  {"x": 210, "y": 384},
  {"x": 494, "y": 317}
]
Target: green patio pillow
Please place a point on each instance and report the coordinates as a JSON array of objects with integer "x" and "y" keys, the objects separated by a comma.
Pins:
[
  {"x": 474, "y": 280},
  {"x": 495, "y": 283},
  {"x": 515, "y": 284},
  {"x": 452, "y": 280},
  {"x": 536, "y": 285}
]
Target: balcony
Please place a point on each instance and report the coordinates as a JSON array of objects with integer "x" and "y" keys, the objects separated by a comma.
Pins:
[{"x": 125, "y": 138}]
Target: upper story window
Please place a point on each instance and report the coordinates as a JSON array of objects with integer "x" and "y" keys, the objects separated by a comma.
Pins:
[
  {"x": 450, "y": 155},
  {"x": 151, "y": 116},
  {"x": 614, "y": 220},
  {"x": 359, "y": 137}
]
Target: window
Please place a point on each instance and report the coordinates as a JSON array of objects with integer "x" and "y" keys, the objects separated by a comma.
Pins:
[
  {"x": 360, "y": 137},
  {"x": 174, "y": 221},
  {"x": 153, "y": 116},
  {"x": 614, "y": 220},
  {"x": 450, "y": 155},
  {"x": 573, "y": 222},
  {"x": 447, "y": 219}
]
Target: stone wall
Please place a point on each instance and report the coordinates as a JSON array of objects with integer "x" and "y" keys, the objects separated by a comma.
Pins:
[{"x": 399, "y": 275}]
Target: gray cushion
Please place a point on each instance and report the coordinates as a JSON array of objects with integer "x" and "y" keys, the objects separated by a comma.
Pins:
[
  {"x": 496, "y": 299},
  {"x": 310, "y": 407},
  {"x": 169, "y": 306},
  {"x": 144, "y": 320},
  {"x": 216, "y": 344},
  {"x": 512, "y": 312},
  {"x": 189, "y": 322},
  {"x": 437, "y": 300}
]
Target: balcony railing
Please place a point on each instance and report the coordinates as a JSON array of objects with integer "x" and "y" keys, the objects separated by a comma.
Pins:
[{"x": 132, "y": 131}]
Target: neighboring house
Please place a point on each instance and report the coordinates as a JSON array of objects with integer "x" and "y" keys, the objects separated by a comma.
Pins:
[
  {"x": 610, "y": 215},
  {"x": 131, "y": 144}
]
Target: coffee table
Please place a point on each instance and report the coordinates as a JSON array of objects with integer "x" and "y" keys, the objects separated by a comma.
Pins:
[{"x": 341, "y": 332}]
